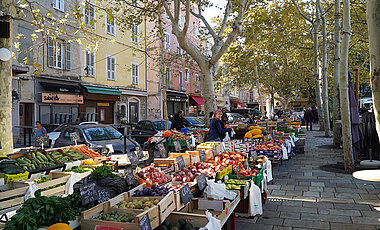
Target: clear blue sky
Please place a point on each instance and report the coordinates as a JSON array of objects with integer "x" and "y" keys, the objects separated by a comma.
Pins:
[{"x": 212, "y": 12}]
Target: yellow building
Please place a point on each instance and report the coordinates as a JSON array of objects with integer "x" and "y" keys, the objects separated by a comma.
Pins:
[{"x": 114, "y": 70}]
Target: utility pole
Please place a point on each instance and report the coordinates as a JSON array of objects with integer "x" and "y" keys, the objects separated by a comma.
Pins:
[{"x": 6, "y": 136}]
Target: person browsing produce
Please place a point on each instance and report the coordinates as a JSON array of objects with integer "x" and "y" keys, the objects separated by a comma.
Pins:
[
  {"x": 40, "y": 130},
  {"x": 178, "y": 121},
  {"x": 217, "y": 131}
]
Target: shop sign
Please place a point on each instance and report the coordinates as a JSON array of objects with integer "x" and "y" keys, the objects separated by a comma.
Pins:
[
  {"x": 103, "y": 104},
  {"x": 177, "y": 99},
  {"x": 62, "y": 98}
]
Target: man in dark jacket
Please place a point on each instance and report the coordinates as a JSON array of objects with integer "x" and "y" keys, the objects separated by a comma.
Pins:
[
  {"x": 224, "y": 117},
  {"x": 178, "y": 121},
  {"x": 315, "y": 115},
  {"x": 309, "y": 119}
]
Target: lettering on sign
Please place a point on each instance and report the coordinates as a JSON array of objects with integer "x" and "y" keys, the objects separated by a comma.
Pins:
[
  {"x": 103, "y": 196},
  {"x": 202, "y": 156},
  {"x": 186, "y": 194},
  {"x": 238, "y": 171},
  {"x": 42, "y": 141},
  {"x": 202, "y": 181},
  {"x": 88, "y": 193},
  {"x": 145, "y": 223},
  {"x": 74, "y": 137},
  {"x": 180, "y": 162},
  {"x": 133, "y": 158},
  {"x": 214, "y": 152},
  {"x": 162, "y": 150},
  {"x": 130, "y": 178},
  {"x": 62, "y": 98},
  {"x": 177, "y": 146}
]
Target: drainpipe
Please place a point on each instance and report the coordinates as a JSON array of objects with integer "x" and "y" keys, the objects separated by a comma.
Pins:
[{"x": 146, "y": 70}]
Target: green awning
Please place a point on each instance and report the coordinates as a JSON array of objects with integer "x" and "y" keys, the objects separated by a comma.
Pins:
[{"x": 101, "y": 90}]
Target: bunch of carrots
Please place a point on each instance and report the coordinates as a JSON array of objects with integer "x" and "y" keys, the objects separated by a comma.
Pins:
[{"x": 89, "y": 152}]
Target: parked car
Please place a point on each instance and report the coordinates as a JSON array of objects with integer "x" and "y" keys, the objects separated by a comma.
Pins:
[
  {"x": 145, "y": 129},
  {"x": 53, "y": 135},
  {"x": 195, "y": 122},
  {"x": 234, "y": 117},
  {"x": 95, "y": 136}
]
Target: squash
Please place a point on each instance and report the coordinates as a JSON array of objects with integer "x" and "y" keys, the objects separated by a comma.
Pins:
[
  {"x": 256, "y": 132},
  {"x": 59, "y": 226},
  {"x": 248, "y": 135}
]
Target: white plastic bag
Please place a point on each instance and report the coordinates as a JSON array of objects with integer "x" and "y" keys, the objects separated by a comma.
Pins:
[
  {"x": 255, "y": 205},
  {"x": 74, "y": 178},
  {"x": 284, "y": 153},
  {"x": 218, "y": 191},
  {"x": 227, "y": 138},
  {"x": 31, "y": 190},
  {"x": 213, "y": 223},
  {"x": 269, "y": 170}
]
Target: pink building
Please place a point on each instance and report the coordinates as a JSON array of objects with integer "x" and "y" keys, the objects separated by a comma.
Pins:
[{"x": 182, "y": 81}]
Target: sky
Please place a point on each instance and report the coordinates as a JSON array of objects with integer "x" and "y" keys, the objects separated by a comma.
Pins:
[{"x": 212, "y": 12}]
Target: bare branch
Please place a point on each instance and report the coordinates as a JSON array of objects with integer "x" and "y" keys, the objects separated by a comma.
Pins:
[
  {"x": 300, "y": 11},
  {"x": 226, "y": 15},
  {"x": 201, "y": 17},
  {"x": 167, "y": 9},
  {"x": 187, "y": 18},
  {"x": 177, "y": 9}
]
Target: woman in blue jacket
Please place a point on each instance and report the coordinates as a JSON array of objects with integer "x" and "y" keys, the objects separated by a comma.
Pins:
[{"x": 217, "y": 131}]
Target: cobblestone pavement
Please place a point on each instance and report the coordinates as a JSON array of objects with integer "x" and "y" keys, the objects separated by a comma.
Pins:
[{"x": 303, "y": 196}]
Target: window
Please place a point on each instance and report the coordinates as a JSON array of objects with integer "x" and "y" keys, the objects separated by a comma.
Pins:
[
  {"x": 180, "y": 80},
  {"x": 251, "y": 97},
  {"x": 110, "y": 22},
  {"x": 89, "y": 60},
  {"x": 55, "y": 53},
  {"x": 187, "y": 75},
  {"x": 89, "y": 15},
  {"x": 68, "y": 56},
  {"x": 135, "y": 33},
  {"x": 179, "y": 50},
  {"x": 196, "y": 81},
  {"x": 196, "y": 31},
  {"x": 123, "y": 111},
  {"x": 111, "y": 68},
  {"x": 59, "y": 4},
  {"x": 180, "y": 21},
  {"x": 167, "y": 41},
  {"x": 166, "y": 13},
  {"x": 135, "y": 74}
]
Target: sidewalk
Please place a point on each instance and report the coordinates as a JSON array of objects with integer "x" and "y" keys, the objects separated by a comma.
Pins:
[{"x": 303, "y": 196}]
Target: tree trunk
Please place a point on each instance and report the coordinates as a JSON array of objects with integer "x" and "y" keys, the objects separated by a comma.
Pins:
[
  {"x": 6, "y": 135},
  {"x": 336, "y": 71},
  {"x": 259, "y": 91},
  {"x": 373, "y": 21},
  {"x": 325, "y": 92},
  {"x": 344, "y": 97},
  {"x": 208, "y": 92},
  {"x": 163, "y": 73},
  {"x": 317, "y": 77}
]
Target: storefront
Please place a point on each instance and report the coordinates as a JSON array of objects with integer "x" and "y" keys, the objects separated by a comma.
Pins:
[
  {"x": 99, "y": 104},
  {"x": 235, "y": 104},
  {"x": 57, "y": 101},
  {"x": 176, "y": 102},
  {"x": 196, "y": 106},
  {"x": 132, "y": 106}
]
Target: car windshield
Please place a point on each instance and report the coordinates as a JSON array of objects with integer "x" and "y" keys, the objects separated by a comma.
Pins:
[
  {"x": 102, "y": 133},
  {"x": 160, "y": 125},
  {"x": 195, "y": 120},
  {"x": 59, "y": 128}
]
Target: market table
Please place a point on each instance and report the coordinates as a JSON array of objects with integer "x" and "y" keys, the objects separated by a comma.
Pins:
[{"x": 367, "y": 175}]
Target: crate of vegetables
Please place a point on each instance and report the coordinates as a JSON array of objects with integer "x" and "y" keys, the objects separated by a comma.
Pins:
[
  {"x": 83, "y": 171},
  {"x": 12, "y": 194},
  {"x": 151, "y": 175},
  {"x": 87, "y": 151}
]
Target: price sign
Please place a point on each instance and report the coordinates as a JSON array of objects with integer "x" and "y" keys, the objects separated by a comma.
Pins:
[
  {"x": 133, "y": 158},
  {"x": 202, "y": 181},
  {"x": 185, "y": 194},
  {"x": 180, "y": 162},
  {"x": 74, "y": 137},
  {"x": 214, "y": 152},
  {"x": 202, "y": 156},
  {"x": 88, "y": 193},
  {"x": 162, "y": 150},
  {"x": 177, "y": 146},
  {"x": 103, "y": 196},
  {"x": 238, "y": 171},
  {"x": 145, "y": 223},
  {"x": 42, "y": 141},
  {"x": 188, "y": 144},
  {"x": 254, "y": 155},
  {"x": 140, "y": 153},
  {"x": 130, "y": 178}
]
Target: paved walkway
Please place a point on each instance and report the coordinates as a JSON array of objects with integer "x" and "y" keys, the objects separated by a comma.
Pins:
[{"x": 305, "y": 197}]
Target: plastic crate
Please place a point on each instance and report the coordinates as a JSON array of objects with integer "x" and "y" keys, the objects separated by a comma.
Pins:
[{"x": 14, "y": 177}]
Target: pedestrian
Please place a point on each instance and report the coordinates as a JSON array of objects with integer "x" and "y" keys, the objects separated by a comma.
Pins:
[
  {"x": 224, "y": 117},
  {"x": 315, "y": 115},
  {"x": 39, "y": 131},
  {"x": 217, "y": 132},
  {"x": 309, "y": 119},
  {"x": 178, "y": 121}
]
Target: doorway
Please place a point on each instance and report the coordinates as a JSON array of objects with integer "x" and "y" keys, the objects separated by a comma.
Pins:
[
  {"x": 134, "y": 111},
  {"x": 105, "y": 113}
]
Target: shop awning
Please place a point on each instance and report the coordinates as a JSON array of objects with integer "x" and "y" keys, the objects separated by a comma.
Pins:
[
  {"x": 198, "y": 100},
  {"x": 239, "y": 103},
  {"x": 101, "y": 90}
]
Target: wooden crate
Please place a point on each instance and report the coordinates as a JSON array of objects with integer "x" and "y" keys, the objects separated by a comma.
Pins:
[
  {"x": 83, "y": 175},
  {"x": 272, "y": 124},
  {"x": 170, "y": 162},
  {"x": 194, "y": 156},
  {"x": 261, "y": 124},
  {"x": 12, "y": 194},
  {"x": 88, "y": 223},
  {"x": 164, "y": 207}
]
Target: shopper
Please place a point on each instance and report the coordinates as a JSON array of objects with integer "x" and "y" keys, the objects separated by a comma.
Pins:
[
  {"x": 224, "y": 117},
  {"x": 315, "y": 115},
  {"x": 39, "y": 131},
  {"x": 309, "y": 119},
  {"x": 178, "y": 121},
  {"x": 217, "y": 132}
]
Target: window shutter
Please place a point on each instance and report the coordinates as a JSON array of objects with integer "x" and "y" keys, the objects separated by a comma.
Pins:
[
  {"x": 92, "y": 56},
  {"x": 50, "y": 52},
  {"x": 68, "y": 56}
]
